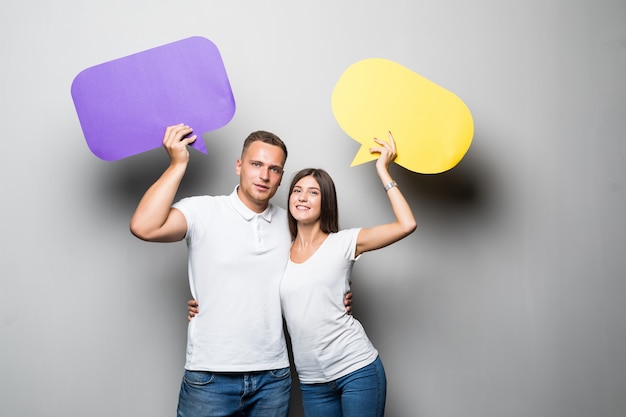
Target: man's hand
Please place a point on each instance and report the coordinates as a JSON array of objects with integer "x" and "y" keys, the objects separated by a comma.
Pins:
[
  {"x": 347, "y": 302},
  {"x": 192, "y": 306},
  {"x": 175, "y": 143}
]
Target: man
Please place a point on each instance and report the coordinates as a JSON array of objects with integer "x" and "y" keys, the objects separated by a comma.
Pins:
[{"x": 236, "y": 359}]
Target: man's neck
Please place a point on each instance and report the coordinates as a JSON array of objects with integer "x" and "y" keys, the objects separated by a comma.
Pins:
[{"x": 257, "y": 208}]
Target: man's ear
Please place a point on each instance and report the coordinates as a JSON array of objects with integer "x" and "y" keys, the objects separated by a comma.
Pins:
[{"x": 238, "y": 167}]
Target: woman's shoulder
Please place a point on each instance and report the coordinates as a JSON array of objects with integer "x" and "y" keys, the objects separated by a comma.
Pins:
[{"x": 346, "y": 234}]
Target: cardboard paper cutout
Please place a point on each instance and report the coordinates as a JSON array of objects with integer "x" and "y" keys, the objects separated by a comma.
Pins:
[
  {"x": 125, "y": 105},
  {"x": 432, "y": 127}
]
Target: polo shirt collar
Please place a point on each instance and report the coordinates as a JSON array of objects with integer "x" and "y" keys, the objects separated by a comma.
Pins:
[{"x": 245, "y": 212}]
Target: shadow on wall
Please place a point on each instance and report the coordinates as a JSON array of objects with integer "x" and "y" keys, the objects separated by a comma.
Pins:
[
  {"x": 461, "y": 195},
  {"x": 125, "y": 181},
  {"x": 461, "y": 187}
]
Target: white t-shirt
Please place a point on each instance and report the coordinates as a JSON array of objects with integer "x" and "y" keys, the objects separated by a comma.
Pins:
[
  {"x": 236, "y": 260},
  {"x": 327, "y": 342}
]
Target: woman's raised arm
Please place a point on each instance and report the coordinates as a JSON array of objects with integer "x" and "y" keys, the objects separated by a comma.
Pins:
[{"x": 377, "y": 237}]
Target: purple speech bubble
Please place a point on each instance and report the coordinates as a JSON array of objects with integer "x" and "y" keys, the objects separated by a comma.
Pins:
[{"x": 124, "y": 105}]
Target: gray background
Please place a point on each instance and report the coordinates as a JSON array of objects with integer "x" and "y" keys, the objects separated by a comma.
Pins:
[{"x": 507, "y": 301}]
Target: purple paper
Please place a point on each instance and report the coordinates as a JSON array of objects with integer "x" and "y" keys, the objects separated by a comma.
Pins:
[{"x": 125, "y": 105}]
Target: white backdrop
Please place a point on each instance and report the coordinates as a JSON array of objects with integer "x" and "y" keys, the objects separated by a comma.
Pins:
[{"x": 506, "y": 302}]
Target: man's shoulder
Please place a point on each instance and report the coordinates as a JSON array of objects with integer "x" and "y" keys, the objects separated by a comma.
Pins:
[
  {"x": 201, "y": 205},
  {"x": 200, "y": 199},
  {"x": 278, "y": 210}
]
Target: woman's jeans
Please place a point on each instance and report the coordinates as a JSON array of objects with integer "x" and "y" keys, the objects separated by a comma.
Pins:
[
  {"x": 252, "y": 394},
  {"x": 361, "y": 393}
]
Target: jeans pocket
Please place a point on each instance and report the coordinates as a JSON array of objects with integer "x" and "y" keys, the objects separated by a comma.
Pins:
[
  {"x": 198, "y": 378},
  {"x": 280, "y": 373}
]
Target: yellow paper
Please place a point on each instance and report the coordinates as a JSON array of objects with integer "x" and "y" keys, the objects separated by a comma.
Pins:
[{"x": 431, "y": 126}]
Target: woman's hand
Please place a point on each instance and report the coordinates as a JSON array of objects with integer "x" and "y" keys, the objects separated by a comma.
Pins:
[
  {"x": 387, "y": 151},
  {"x": 372, "y": 238},
  {"x": 192, "y": 309}
]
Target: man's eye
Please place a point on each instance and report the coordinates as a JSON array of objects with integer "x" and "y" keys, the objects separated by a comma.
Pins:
[
  {"x": 276, "y": 170},
  {"x": 256, "y": 164}
]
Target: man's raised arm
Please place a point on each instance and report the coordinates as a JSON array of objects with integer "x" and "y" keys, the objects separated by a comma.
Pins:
[{"x": 155, "y": 220}]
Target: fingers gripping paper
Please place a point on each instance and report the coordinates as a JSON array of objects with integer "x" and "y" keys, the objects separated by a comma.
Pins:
[
  {"x": 432, "y": 127},
  {"x": 124, "y": 105}
]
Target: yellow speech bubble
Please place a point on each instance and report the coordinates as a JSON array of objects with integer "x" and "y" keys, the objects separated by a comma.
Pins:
[{"x": 432, "y": 127}]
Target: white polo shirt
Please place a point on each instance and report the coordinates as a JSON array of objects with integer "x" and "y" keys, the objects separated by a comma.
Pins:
[{"x": 236, "y": 261}]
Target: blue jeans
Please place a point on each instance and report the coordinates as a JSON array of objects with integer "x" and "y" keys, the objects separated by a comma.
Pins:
[
  {"x": 252, "y": 394},
  {"x": 361, "y": 393}
]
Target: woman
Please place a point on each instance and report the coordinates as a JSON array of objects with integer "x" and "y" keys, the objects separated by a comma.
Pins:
[{"x": 338, "y": 367}]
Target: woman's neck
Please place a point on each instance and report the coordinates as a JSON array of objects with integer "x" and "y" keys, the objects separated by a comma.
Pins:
[
  {"x": 307, "y": 242},
  {"x": 309, "y": 236}
]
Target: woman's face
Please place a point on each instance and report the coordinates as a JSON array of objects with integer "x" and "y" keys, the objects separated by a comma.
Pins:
[{"x": 305, "y": 201}]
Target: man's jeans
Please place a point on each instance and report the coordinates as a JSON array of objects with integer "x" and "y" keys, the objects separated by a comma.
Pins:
[
  {"x": 361, "y": 393},
  {"x": 252, "y": 394}
]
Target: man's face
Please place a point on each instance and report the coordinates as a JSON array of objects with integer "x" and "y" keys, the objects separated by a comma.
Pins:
[{"x": 260, "y": 171}]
